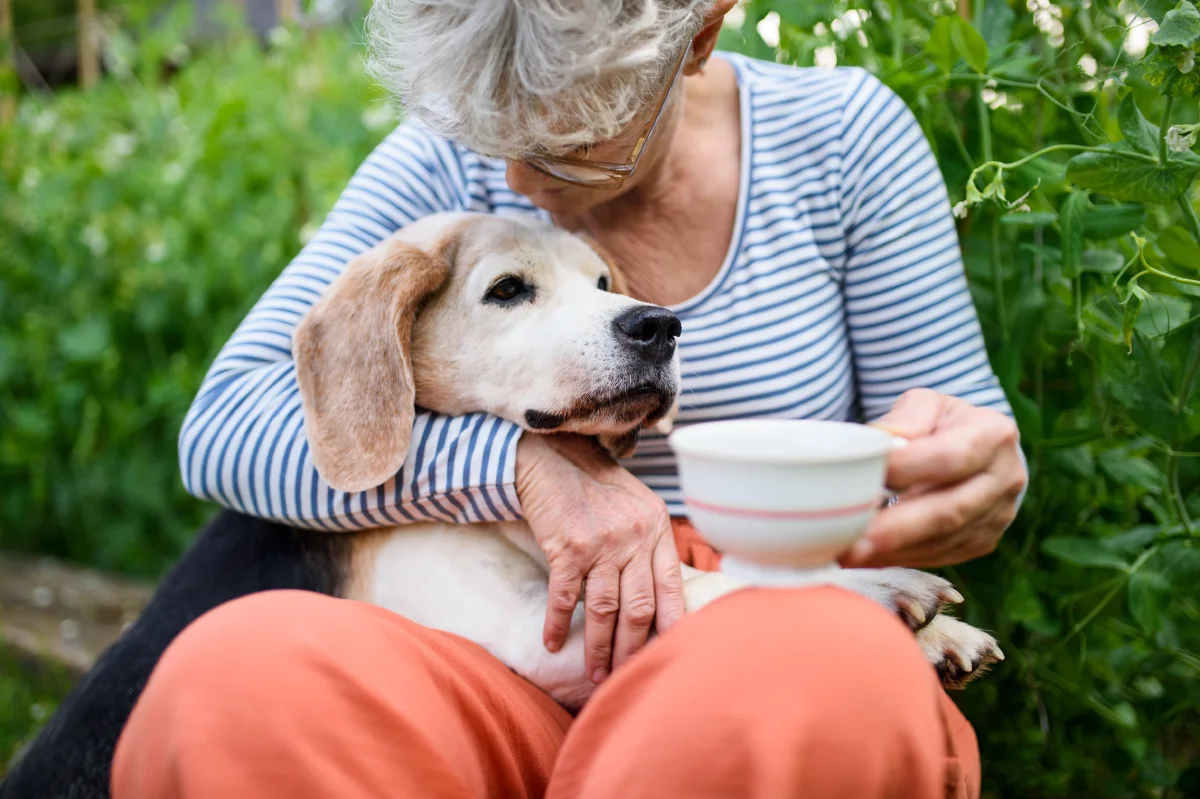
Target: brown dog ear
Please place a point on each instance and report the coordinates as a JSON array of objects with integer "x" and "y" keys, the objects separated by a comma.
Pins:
[
  {"x": 354, "y": 367},
  {"x": 616, "y": 280}
]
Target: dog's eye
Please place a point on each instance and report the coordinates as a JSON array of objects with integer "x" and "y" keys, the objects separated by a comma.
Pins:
[
  {"x": 602, "y": 283},
  {"x": 508, "y": 290}
]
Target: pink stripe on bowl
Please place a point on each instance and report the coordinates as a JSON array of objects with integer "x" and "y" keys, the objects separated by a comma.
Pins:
[{"x": 821, "y": 513}]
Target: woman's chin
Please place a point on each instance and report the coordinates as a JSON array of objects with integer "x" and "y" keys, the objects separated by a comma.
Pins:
[{"x": 568, "y": 200}]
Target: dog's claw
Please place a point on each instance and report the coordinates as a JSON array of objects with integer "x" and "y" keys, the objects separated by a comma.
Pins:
[
  {"x": 959, "y": 652},
  {"x": 950, "y": 594},
  {"x": 911, "y": 611}
]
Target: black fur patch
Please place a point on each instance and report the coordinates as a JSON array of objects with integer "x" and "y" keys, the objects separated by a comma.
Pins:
[{"x": 540, "y": 420}]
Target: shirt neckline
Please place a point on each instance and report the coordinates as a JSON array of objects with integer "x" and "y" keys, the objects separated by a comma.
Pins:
[{"x": 739, "y": 220}]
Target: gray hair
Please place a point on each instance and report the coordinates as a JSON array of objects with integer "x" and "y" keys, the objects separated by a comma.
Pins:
[{"x": 508, "y": 77}]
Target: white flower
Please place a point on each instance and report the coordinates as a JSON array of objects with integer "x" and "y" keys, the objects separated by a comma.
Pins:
[
  {"x": 44, "y": 122},
  {"x": 156, "y": 251},
  {"x": 30, "y": 179},
  {"x": 279, "y": 36},
  {"x": 172, "y": 173},
  {"x": 378, "y": 116},
  {"x": 1181, "y": 138},
  {"x": 117, "y": 147},
  {"x": 1185, "y": 62},
  {"x": 95, "y": 240},
  {"x": 960, "y": 210}
]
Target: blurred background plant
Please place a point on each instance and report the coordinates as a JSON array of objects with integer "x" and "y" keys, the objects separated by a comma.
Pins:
[{"x": 140, "y": 219}]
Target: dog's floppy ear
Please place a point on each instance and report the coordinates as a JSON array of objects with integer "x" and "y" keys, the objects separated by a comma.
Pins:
[{"x": 354, "y": 367}]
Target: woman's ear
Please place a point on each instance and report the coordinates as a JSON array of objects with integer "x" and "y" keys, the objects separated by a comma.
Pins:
[
  {"x": 706, "y": 40},
  {"x": 354, "y": 367}
]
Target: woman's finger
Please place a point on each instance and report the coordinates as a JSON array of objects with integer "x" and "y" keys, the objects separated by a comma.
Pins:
[
  {"x": 601, "y": 604},
  {"x": 637, "y": 609},
  {"x": 566, "y": 584},
  {"x": 950, "y": 456},
  {"x": 923, "y": 520},
  {"x": 668, "y": 584}
]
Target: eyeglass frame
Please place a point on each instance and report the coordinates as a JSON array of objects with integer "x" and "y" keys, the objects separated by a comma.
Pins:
[{"x": 616, "y": 174}]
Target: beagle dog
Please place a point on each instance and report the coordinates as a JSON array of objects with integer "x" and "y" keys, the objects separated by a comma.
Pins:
[
  {"x": 454, "y": 313},
  {"x": 546, "y": 339}
]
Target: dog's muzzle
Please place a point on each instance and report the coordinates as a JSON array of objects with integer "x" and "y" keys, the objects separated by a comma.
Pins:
[{"x": 650, "y": 332}]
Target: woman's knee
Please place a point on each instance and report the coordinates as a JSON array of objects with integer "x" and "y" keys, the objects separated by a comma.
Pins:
[
  {"x": 762, "y": 692},
  {"x": 277, "y": 664},
  {"x": 821, "y": 655}
]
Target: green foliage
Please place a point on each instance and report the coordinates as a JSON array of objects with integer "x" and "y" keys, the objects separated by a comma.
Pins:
[
  {"x": 138, "y": 223},
  {"x": 29, "y": 694},
  {"x": 1086, "y": 286}
]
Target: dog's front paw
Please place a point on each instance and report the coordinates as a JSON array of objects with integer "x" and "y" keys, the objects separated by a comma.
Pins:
[
  {"x": 958, "y": 651},
  {"x": 916, "y": 596}
]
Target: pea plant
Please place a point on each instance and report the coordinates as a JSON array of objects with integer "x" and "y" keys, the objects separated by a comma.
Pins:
[{"x": 1065, "y": 135}]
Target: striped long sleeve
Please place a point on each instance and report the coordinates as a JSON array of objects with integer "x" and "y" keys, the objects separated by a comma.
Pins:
[
  {"x": 909, "y": 312},
  {"x": 242, "y": 444}
]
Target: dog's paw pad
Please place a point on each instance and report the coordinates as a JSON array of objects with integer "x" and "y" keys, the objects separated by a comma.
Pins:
[{"x": 959, "y": 652}]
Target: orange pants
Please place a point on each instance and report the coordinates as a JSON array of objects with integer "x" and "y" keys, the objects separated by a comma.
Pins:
[{"x": 814, "y": 692}]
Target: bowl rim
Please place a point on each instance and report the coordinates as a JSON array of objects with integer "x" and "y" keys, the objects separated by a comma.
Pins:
[{"x": 679, "y": 442}]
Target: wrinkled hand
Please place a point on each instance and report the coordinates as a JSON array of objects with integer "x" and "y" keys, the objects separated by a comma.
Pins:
[
  {"x": 597, "y": 522},
  {"x": 958, "y": 481}
]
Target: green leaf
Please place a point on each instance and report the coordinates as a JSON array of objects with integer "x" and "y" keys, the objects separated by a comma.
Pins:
[
  {"x": 996, "y": 24},
  {"x": 1087, "y": 552},
  {"x": 1116, "y": 175},
  {"x": 1181, "y": 563},
  {"x": 940, "y": 47},
  {"x": 951, "y": 38},
  {"x": 1131, "y": 470},
  {"x": 1162, "y": 314},
  {"x": 970, "y": 45},
  {"x": 1161, "y": 69},
  {"x": 1146, "y": 598},
  {"x": 1029, "y": 218},
  {"x": 1140, "y": 134},
  {"x": 1179, "y": 246},
  {"x": 1104, "y": 262},
  {"x": 86, "y": 341},
  {"x": 1028, "y": 416},
  {"x": 1071, "y": 216},
  {"x": 1180, "y": 26},
  {"x": 1076, "y": 461},
  {"x": 1133, "y": 541},
  {"x": 1111, "y": 221}
]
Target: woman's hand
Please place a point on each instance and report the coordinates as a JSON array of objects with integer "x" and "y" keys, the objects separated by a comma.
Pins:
[
  {"x": 958, "y": 481},
  {"x": 597, "y": 522}
]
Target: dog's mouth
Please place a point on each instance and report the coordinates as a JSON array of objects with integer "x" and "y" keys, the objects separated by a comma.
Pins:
[{"x": 630, "y": 408}]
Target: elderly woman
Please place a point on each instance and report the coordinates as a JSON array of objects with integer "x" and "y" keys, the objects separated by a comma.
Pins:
[{"x": 797, "y": 224}]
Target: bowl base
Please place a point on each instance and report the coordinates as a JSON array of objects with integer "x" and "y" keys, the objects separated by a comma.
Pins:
[{"x": 776, "y": 576}]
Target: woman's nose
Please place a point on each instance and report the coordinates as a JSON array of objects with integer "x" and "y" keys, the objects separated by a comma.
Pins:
[{"x": 524, "y": 179}]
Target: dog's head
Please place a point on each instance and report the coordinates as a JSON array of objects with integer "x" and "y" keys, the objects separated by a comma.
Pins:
[{"x": 460, "y": 313}]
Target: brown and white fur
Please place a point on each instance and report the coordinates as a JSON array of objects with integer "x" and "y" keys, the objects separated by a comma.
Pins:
[{"x": 415, "y": 323}]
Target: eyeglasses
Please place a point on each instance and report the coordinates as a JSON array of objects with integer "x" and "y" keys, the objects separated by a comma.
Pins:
[{"x": 593, "y": 173}]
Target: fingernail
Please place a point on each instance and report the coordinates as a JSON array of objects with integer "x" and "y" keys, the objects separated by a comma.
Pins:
[
  {"x": 862, "y": 550},
  {"x": 599, "y": 675},
  {"x": 553, "y": 646}
]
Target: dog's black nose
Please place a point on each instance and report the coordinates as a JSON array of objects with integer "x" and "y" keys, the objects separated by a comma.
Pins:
[{"x": 649, "y": 331}]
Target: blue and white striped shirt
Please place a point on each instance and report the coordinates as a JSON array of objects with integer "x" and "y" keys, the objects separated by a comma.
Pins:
[{"x": 842, "y": 288}]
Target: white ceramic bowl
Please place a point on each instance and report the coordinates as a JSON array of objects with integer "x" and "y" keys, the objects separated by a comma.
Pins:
[{"x": 786, "y": 493}]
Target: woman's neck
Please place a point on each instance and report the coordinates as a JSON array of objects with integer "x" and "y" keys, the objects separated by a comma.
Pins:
[{"x": 670, "y": 232}]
